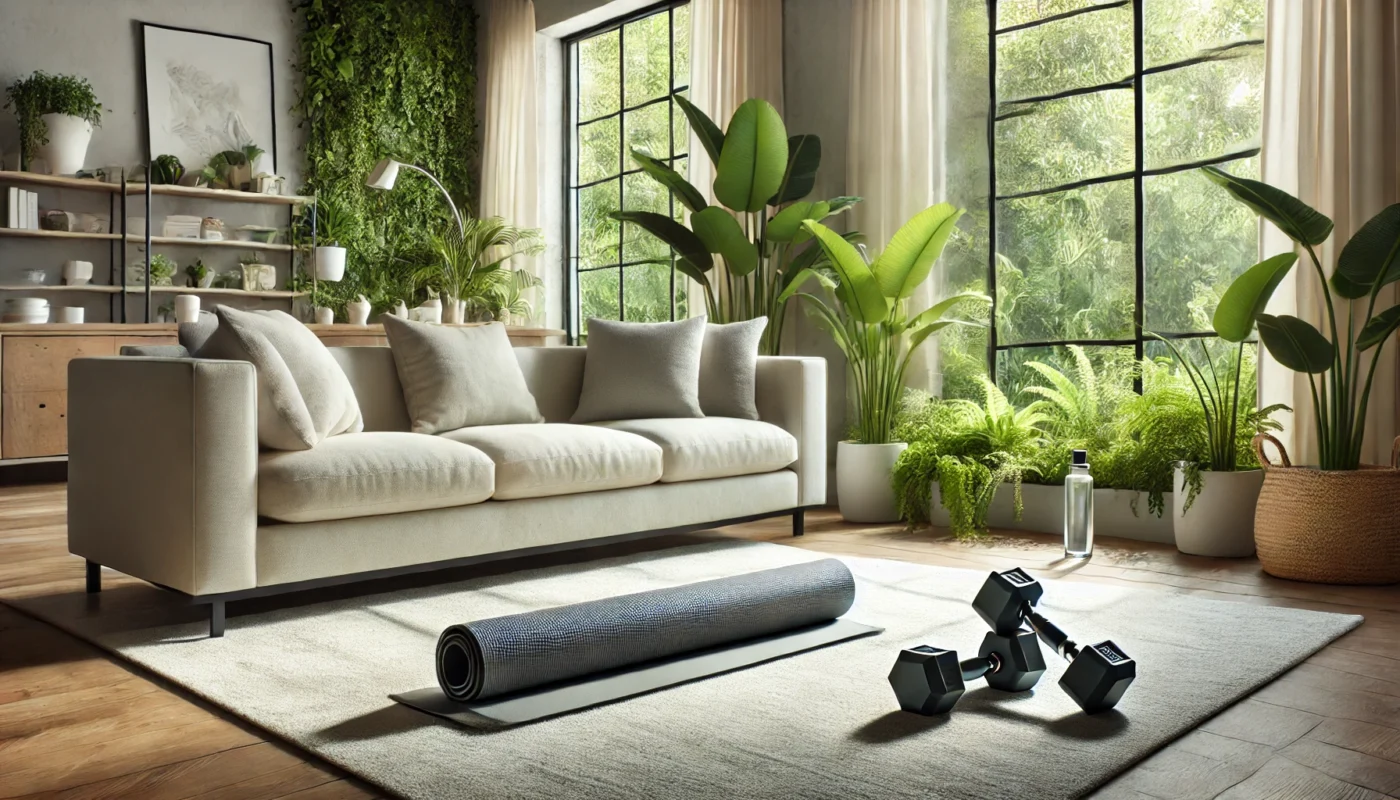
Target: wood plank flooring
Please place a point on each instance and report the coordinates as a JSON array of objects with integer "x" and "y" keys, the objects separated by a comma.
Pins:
[{"x": 76, "y": 724}]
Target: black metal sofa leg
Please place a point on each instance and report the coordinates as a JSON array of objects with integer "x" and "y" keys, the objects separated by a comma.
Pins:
[
  {"x": 216, "y": 619},
  {"x": 94, "y": 577},
  {"x": 799, "y": 522}
]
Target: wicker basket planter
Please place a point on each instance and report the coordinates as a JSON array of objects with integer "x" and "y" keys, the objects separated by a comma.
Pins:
[{"x": 1328, "y": 526}]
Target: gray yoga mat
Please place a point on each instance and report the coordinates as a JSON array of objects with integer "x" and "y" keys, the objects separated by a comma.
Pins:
[{"x": 513, "y": 655}]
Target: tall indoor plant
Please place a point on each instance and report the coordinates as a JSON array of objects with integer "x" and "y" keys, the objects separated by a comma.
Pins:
[
  {"x": 56, "y": 116},
  {"x": 1340, "y": 522},
  {"x": 761, "y": 179},
  {"x": 867, "y": 312},
  {"x": 467, "y": 265}
]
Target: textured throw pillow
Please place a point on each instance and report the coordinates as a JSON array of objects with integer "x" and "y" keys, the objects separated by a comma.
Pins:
[
  {"x": 728, "y": 365},
  {"x": 637, "y": 370},
  {"x": 303, "y": 395},
  {"x": 459, "y": 377},
  {"x": 193, "y": 335}
]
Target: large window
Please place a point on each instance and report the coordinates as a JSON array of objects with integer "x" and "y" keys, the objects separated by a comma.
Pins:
[
  {"x": 1101, "y": 227},
  {"x": 623, "y": 78}
]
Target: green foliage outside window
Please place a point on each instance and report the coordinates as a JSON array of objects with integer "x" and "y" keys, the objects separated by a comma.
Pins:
[{"x": 386, "y": 78}]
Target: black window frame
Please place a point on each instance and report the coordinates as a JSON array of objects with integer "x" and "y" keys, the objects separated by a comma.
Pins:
[
  {"x": 1134, "y": 83},
  {"x": 573, "y": 311}
]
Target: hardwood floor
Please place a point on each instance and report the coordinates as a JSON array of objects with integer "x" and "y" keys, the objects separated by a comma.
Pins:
[{"x": 76, "y": 724}]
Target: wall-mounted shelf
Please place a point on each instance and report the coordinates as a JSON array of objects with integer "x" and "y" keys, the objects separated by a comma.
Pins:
[
  {"x": 59, "y": 182},
  {"x": 100, "y": 288},
  {"x": 69, "y": 235},
  {"x": 223, "y": 195},
  {"x": 181, "y": 241},
  {"x": 281, "y": 293}
]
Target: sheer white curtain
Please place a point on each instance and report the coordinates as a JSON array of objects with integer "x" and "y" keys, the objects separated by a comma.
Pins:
[
  {"x": 509, "y": 139},
  {"x": 895, "y": 144},
  {"x": 1331, "y": 136}
]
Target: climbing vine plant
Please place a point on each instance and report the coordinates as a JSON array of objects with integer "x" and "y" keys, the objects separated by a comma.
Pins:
[{"x": 385, "y": 78}]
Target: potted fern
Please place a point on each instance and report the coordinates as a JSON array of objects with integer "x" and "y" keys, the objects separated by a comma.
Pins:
[
  {"x": 56, "y": 116},
  {"x": 867, "y": 313}
]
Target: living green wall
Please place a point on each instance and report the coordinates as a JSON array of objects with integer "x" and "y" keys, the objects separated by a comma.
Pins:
[{"x": 387, "y": 78}]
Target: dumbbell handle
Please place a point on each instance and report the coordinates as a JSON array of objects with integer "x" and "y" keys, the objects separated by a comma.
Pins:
[
  {"x": 1051, "y": 634},
  {"x": 974, "y": 668}
]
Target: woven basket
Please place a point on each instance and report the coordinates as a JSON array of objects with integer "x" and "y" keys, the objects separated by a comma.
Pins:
[{"x": 1328, "y": 526}]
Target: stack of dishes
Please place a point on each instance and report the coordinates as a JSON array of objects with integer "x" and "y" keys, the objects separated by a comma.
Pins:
[{"x": 26, "y": 309}]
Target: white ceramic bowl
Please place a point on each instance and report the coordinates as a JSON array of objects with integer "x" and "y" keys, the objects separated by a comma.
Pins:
[
  {"x": 26, "y": 305},
  {"x": 31, "y": 319}
]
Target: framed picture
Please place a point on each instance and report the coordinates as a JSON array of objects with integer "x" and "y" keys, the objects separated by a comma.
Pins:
[{"x": 207, "y": 93}]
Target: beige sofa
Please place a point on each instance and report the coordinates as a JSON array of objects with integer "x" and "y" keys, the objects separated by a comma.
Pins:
[{"x": 166, "y": 482}]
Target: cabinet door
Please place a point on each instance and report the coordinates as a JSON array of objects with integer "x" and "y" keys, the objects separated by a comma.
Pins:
[
  {"x": 36, "y": 424},
  {"x": 40, "y": 363}
]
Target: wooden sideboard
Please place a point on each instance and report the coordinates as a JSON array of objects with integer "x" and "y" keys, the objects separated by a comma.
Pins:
[{"x": 34, "y": 372}]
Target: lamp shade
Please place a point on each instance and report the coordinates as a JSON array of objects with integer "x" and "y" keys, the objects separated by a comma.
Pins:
[{"x": 383, "y": 175}]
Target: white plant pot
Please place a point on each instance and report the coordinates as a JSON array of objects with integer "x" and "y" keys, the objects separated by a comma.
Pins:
[
  {"x": 68, "y": 143},
  {"x": 187, "y": 308},
  {"x": 451, "y": 311},
  {"x": 77, "y": 273},
  {"x": 325, "y": 316},
  {"x": 1220, "y": 522},
  {"x": 864, "y": 489},
  {"x": 357, "y": 311},
  {"x": 330, "y": 263}
]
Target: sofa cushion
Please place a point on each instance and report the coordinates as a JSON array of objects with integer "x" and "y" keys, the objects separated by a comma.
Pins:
[
  {"x": 639, "y": 370},
  {"x": 551, "y": 459},
  {"x": 713, "y": 447},
  {"x": 728, "y": 364},
  {"x": 363, "y": 474}
]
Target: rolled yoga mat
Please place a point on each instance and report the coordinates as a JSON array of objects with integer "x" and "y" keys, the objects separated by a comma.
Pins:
[{"x": 492, "y": 657}]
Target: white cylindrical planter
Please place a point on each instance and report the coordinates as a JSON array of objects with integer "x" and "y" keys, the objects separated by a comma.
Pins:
[
  {"x": 186, "y": 308},
  {"x": 330, "y": 263},
  {"x": 68, "y": 143},
  {"x": 1220, "y": 521},
  {"x": 324, "y": 315},
  {"x": 70, "y": 314},
  {"x": 864, "y": 475},
  {"x": 357, "y": 311}
]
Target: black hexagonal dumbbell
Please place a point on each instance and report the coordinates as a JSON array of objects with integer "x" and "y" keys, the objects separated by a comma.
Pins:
[
  {"x": 927, "y": 680},
  {"x": 1097, "y": 676}
]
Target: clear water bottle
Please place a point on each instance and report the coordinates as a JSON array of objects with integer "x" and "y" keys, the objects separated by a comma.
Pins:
[{"x": 1079, "y": 507}]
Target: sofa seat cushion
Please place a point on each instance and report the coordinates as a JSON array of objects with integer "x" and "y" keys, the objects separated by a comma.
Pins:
[
  {"x": 547, "y": 459},
  {"x": 713, "y": 447},
  {"x": 363, "y": 474}
]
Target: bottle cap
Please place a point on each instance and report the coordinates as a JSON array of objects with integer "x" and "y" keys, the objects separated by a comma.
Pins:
[{"x": 1080, "y": 458}]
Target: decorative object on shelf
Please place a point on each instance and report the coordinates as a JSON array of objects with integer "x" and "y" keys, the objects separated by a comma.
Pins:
[
  {"x": 94, "y": 223},
  {"x": 756, "y": 167},
  {"x": 166, "y": 312},
  {"x": 22, "y": 209},
  {"x": 267, "y": 183},
  {"x": 56, "y": 116},
  {"x": 324, "y": 316},
  {"x": 228, "y": 279},
  {"x": 357, "y": 310},
  {"x": 200, "y": 276},
  {"x": 167, "y": 169},
  {"x": 257, "y": 276},
  {"x": 242, "y": 169},
  {"x": 507, "y": 299},
  {"x": 1340, "y": 523},
  {"x": 206, "y": 93},
  {"x": 77, "y": 273},
  {"x": 470, "y": 266},
  {"x": 262, "y": 234},
  {"x": 331, "y": 225},
  {"x": 400, "y": 310},
  {"x": 31, "y": 310},
  {"x": 866, "y": 313},
  {"x": 162, "y": 271},
  {"x": 211, "y": 229},
  {"x": 36, "y": 277},
  {"x": 187, "y": 308},
  {"x": 182, "y": 226},
  {"x": 330, "y": 263},
  {"x": 55, "y": 220},
  {"x": 71, "y": 315},
  {"x": 429, "y": 311}
]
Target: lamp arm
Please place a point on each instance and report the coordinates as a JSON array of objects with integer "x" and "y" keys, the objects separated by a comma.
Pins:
[{"x": 461, "y": 228}]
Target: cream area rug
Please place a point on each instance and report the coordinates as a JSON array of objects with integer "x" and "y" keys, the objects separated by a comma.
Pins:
[{"x": 821, "y": 724}]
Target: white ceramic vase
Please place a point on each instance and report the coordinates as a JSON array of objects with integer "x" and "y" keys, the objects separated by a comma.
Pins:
[
  {"x": 187, "y": 308},
  {"x": 325, "y": 316},
  {"x": 1220, "y": 521},
  {"x": 330, "y": 263},
  {"x": 451, "y": 311},
  {"x": 430, "y": 311},
  {"x": 401, "y": 310},
  {"x": 863, "y": 481},
  {"x": 77, "y": 273},
  {"x": 357, "y": 310},
  {"x": 68, "y": 143}
]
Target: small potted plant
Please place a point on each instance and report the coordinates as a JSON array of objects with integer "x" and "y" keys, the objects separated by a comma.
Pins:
[
  {"x": 331, "y": 226},
  {"x": 200, "y": 276},
  {"x": 167, "y": 169},
  {"x": 56, "y": 116},
  {"x": 257, "y": 276},
  {"x": 162, "y": 271},
  {"x": 867, "y": 313}
]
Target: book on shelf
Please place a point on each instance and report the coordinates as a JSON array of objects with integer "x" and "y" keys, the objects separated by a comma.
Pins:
[
  {"x": 33, "y": 211},
  {"x": 12, "y": 208}
]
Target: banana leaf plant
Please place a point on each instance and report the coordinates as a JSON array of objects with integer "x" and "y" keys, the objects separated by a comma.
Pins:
[
  {"x": 1334, "y": 361},
  {"x": 762, "y": 177},
  {"x": 867, "y": 310}
]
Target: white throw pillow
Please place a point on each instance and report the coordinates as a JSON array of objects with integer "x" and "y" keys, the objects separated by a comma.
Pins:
[
  {"x": 459, "y": 377},
  {"x": 637, "y": 370},
  {"x": 303, "y": 395}
]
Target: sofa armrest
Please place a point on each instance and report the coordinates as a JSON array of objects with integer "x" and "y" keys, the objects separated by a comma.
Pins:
[
  {"x": 791, "y": 393},
  {"x": 162, "y": 469}
]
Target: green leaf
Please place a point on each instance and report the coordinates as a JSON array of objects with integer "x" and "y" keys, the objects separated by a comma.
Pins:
[
  {"x": 1301, "y": 222},
  {"x": 859, "y": 290},
  {"x": 804, "y": 158},
  {"x": 917, "y": 334},
  {"x": 1295, "y": 343},
  {"x": 754, "y": 157},
  {"x": 936, "y": 311},
  {"x": 1379, "y": 328},
  {"x": 1246, "y": 298},
  {"x": 679, "y": 237},
  {"x": 800, "y": 278},
  {"x": 786, "y": 224},
  {"x": 1371, "y": 257},
  {"x": 839, "y": 204},
  {"x": 721, "y": 234},
  {"x": 709, "y": 134},
  {"x": 689, "y": 196},
  {"x": 909, "y": 258},
  {"x": 346, "y": 68}
]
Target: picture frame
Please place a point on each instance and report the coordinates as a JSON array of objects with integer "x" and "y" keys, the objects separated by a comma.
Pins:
[{"x": 207, "y": 92}]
